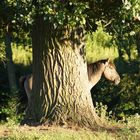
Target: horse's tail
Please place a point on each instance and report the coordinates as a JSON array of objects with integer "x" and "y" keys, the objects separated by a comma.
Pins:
[{"x": 22, "y": 96}]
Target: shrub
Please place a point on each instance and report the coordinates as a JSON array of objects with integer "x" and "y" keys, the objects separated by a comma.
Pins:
[
  {"x": 123, "y": 100},
  {"x": 8, "y": 109}
]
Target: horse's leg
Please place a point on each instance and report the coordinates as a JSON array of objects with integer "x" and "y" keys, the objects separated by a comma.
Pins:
[
  {"x": 28, "y": 89},
  {"x": 22, "y": 96}
]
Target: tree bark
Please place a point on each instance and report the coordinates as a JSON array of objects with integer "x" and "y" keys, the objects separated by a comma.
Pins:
[{"x": 61, "y": 92}]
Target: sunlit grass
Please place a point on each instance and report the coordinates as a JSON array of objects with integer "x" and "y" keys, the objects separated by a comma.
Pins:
[
  {"x": 100, "y": 45},
  {"x": 100, "y": 54},
  {"x": 130, "y": 130},
  {"x": 50, "y": 133},
  {"x": 2, "y": 52},
  {"x": 22, "y": 55}
]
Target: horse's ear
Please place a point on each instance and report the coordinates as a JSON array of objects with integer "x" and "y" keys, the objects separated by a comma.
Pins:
[{"x": 107, "y": 62}]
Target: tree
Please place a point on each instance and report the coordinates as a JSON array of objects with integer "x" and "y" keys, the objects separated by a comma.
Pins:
[
  {"x": 7, "y": 16},
  {"x": 12, "y": 24},
  {"x": 125, "y": 26},
  {"x": 61, "y": 92},
  {"x": 60, "y": 86}
]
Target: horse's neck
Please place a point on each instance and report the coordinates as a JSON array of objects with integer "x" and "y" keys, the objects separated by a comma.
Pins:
[{"x": 95, "y": 75}]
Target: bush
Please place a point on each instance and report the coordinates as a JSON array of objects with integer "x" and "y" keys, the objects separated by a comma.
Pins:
[
  {"x": 8, "y": 109},
  {"x": 123, "y": 100}
]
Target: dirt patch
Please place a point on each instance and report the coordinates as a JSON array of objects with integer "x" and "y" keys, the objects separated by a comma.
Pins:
[{"x": 5, "y": 132}]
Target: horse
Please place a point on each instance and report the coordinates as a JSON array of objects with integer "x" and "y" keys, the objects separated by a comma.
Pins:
[
  {"x": 94, "y": 71},
  {"x": 103, "y": 67}
]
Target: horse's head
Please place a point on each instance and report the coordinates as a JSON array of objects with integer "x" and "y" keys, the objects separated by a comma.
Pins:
[{"x": 110, "y": 72}]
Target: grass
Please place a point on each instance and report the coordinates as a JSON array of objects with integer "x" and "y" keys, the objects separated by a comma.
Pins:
[
  {"x": 129, "y": 131},
  {"x": 22, "y": 55},
  {"x": 42, "y": 133},
  {"x": 100, "y": 45},
  {"x": 52, "y": 133}
]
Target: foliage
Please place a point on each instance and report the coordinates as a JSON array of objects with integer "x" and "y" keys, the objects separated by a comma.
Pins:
[
  {"x": 64, "y": 12},
  {"x": 2, "y": 53},
  {"x": 125, "y": 26},
  {"x": 100, "y": 45},
  {"x": 123, "y": 100},
  {"x": 129, "y": 96},
  {"x": 8, "y": 110},
  {"x": 102, "y": 112},
  {"x": 22, "y": 55}
]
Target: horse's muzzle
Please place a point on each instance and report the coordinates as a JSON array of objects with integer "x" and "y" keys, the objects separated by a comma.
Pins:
[{"x": 117, "y": 81}]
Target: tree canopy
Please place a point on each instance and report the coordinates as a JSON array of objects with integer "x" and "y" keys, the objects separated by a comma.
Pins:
[{"x": 119, "y": 17}]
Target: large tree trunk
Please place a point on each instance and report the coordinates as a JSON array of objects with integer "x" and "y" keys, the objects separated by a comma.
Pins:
[{"x": 60, "y": 91}]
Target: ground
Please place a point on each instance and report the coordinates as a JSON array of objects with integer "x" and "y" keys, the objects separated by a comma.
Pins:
[{"x": 17, "y": 132}]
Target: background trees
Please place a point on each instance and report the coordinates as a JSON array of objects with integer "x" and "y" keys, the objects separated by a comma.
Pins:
[{"x": 119, "y": 24}]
